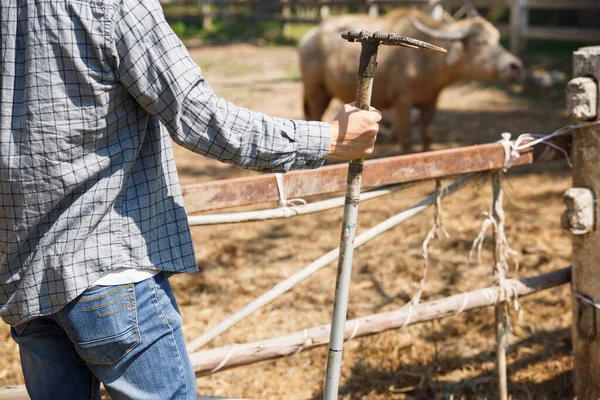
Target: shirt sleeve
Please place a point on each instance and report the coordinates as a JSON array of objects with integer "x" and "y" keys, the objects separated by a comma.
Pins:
[{"x": 154, "y": 66}]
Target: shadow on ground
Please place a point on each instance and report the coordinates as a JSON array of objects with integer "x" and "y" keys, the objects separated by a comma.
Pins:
[{"x": 426, "y": 382}]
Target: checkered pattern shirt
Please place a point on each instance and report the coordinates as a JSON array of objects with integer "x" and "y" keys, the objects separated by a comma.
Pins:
[{"x": 91, "y": 91}]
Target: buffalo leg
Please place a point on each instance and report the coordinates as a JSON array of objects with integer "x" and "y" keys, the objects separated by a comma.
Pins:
[
  {"x": 402, "y": 124},
  {"x": 316, "y": 101},
  {"x": 426, "y": 128}
]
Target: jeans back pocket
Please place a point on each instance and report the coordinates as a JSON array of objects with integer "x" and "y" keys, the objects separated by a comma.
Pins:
[{"x": 102, "y": 323}]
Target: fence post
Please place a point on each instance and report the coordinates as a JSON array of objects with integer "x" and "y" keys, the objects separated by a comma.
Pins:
[
  {"x": 286, "y": 15},
  {"x": 205, "y": 13},
  {"x": 519, "y": 17},
  {"x": 324, "y": 10},
  {"x": 586, "y": 241},
  {"x": 372, "y": 8}
]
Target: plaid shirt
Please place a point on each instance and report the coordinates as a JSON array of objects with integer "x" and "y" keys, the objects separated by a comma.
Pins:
[{"x": 90, "y": 92}]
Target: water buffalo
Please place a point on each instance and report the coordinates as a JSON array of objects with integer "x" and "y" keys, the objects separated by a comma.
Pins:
[{"x": 405, "y": 78}]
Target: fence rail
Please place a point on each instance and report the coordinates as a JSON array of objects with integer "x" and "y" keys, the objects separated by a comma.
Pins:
[{"x": 379, "y": 172}]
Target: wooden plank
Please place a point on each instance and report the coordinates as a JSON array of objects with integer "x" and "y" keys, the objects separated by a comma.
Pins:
[
  {"x": 562, "y": 4},
  {"x": 209, "y": 361},
  {"x": 476, "y": 3},
  {"x": 586, "y": 257},
  {"x": 379, "y": 172},
  {"x": 561, "y": 33},
  {"x": 14, "y": 393}
]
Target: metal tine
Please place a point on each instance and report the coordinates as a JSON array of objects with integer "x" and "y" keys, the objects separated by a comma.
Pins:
[{"x": 391, "y": 39}]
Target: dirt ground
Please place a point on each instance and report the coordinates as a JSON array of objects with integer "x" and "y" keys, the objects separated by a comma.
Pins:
[{"x": 447, "y": 359}]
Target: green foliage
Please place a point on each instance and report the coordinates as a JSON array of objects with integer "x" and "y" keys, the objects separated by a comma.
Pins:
[
  {"x": 186, "y": 23},
  {"x": 240, "y": 30},
  {"x": 551, "y": 54}
]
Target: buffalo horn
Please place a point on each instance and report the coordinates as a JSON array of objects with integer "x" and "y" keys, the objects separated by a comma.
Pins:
[
  {"x": 438, "y": 33},
  {"x": 472, "y": 10}
]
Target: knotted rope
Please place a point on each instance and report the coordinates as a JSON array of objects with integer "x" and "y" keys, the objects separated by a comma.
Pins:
[
  {"x": 526, "y": 140},
  {"x": 284, "y": 203},
  {"x": 436, "y": 231},
  {"x": 502, "y": 252}
]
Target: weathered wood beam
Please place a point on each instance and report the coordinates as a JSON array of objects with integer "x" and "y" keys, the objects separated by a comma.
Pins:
[
  {"x": 586, "y": 257},
  {"x": 210, "y": 361},
  {"x": 563, "y": 4},
  {"x": 379, "y": 172}
]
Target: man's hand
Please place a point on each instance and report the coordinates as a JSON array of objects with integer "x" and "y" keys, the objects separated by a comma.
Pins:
[{"x": 353, "y": 132}]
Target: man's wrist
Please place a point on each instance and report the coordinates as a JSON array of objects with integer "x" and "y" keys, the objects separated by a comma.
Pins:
[{"x": 334, "y": 128}]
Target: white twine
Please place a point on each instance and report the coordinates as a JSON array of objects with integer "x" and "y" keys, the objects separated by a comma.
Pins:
[
  {"x": 511, "y": 150},
  {"x": 489, "y": 295},
  {"x": 304, "y": 340},
  {"x": 478, "y": 242},
  {"x": 433, "y": 233},
  {"x": 587, "y": 300},
  {"x": 504, "y": 250},
  {"x": 410, "y": 313},
  {"x": 283, "y": 202},
  {"x": 465, "y": 301},
  {"x": 225, "y": 360},
  {"x": 355, "y": 330}
]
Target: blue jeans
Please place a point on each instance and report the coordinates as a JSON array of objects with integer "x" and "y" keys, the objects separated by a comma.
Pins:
[{"x": 127, "y": 336}]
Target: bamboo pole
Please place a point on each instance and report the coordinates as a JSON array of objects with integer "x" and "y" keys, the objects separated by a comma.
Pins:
[
  {"x": 321, "y": 262},
  {"x": 210, "y": 361}
]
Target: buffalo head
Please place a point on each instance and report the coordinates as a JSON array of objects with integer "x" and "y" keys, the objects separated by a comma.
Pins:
[{"x": 475, "y": 49}]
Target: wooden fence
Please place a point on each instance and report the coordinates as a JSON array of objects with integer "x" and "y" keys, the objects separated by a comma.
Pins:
[
  {"x": 313, "y": 11},
  {"x": 580, "y": 219}
]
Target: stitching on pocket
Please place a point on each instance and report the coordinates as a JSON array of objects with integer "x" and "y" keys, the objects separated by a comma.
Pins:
[
  {"x": 117, "y": 290},
  {"x": 128, "y": 305},
  {"x": 155, "y": 286},
  {"x": 107, "y": 304}
]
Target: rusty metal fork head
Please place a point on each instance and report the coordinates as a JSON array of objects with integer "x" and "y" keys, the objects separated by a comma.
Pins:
[
  {"x": 368, "y": 57},
  {"x": 389, "y": 39}
]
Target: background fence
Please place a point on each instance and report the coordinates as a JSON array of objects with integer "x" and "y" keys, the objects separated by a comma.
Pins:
[{"x": 563, "y": 20}]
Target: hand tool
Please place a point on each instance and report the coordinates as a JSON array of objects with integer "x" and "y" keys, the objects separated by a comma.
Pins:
[{"x": 368, "y": 62}]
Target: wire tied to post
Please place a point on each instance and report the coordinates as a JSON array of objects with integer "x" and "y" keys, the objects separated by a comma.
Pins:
[
  {"x": 587, "y": 300},
  {"x": 526, "y": 140}
]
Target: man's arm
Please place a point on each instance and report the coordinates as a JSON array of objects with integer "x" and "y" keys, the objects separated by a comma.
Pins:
[{"x": 157, "y": 70}]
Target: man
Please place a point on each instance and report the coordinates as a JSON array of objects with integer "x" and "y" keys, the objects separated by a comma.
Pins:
[{"x": 91, "y": 213}]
